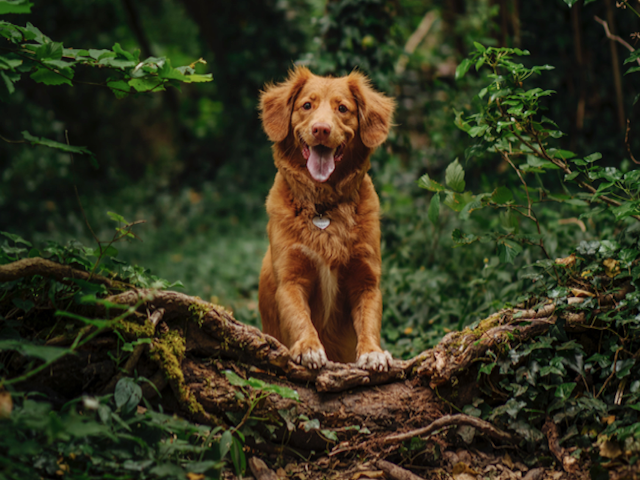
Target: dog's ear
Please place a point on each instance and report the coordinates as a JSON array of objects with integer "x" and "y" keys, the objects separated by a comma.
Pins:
[
  {"x": 374, "y": 110},
  {"x": 276, "y": 103}
]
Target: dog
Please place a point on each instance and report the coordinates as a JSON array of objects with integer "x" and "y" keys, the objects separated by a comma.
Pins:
[{"x": 319, "y": 291}]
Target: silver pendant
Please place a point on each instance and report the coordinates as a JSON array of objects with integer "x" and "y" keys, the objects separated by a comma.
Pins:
[{"x": 321, "y": 222}]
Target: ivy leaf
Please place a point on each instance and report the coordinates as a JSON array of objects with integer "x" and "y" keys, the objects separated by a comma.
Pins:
[
  {"x": 127, "y": 394},
  {"x": 454, "y": 176},
  {"x": 564, "y": 390}
]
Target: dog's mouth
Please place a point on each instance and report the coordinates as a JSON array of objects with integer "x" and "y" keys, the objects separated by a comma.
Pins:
[{"x": 321, "y": 160}]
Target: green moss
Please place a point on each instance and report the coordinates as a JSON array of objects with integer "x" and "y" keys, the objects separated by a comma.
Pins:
[
  {"x": 168, "y": 351},
  {"x": 132, "y": 327}
]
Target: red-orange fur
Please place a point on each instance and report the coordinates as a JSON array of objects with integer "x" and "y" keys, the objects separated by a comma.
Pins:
[{"x": 321, "y": 288}]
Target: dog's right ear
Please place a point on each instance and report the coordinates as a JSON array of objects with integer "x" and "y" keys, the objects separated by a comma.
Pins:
[{"x": 276, "y": 103}]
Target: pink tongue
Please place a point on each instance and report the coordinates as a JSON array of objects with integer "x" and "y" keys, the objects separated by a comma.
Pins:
[{"x": 320, "y": 162}]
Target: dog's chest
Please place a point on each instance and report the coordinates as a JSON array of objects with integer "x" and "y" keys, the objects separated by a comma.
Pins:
[{"x": 330, "y": 234}]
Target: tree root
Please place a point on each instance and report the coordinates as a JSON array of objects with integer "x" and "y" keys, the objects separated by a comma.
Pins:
[
  {"x": 194, "y": 342},
  {"x": 28, "y": 267},
  {"x": 450, "y": 420}
]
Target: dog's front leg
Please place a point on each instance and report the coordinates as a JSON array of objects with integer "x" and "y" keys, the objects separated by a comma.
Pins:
[
  {"x": 363, "y": 287},
  {"x": 297, "y": 278}
]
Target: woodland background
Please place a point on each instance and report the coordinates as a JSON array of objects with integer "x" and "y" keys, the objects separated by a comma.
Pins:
[
  {"x": 197, "y": 167},
  {"x": 195, "y": 164}
]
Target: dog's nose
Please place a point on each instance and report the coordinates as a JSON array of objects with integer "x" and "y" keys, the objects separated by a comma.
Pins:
[{"x": 321, "y": 131}]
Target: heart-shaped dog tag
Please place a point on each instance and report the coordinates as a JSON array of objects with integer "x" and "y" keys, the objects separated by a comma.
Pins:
[{"x": 321, "y": 222}]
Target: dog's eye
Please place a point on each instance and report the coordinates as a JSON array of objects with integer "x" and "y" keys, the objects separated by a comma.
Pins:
[
  {"x": 307, "y": 106},
  {"x": 342, "y": 109}
]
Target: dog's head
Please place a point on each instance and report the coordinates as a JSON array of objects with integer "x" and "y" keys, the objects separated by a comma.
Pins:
[{"x": 323, "y": 118}]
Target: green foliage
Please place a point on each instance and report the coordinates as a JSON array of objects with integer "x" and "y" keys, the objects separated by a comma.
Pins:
[
  {"x": 586, "y": 384},
  {"x": 108, "y": 436},
  {"x": 45, "y": 61}
]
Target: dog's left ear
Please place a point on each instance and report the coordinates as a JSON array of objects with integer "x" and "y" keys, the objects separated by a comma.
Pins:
[
  {"x": 276, "y": 103},
  {"x": 374, "y": 110}
]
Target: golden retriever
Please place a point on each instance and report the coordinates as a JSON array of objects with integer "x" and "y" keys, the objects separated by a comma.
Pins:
[{"x": 319, "y": 288}]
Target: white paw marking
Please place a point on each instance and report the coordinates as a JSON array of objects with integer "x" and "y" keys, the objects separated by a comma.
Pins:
[
  {"x": 313, "y": 359},
  {"x": 376, "y": 361}
]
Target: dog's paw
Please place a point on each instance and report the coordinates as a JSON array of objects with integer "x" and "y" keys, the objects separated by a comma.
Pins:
[
  {"x": 376, "y": 361},
  {"x": 310, "y": 357}
]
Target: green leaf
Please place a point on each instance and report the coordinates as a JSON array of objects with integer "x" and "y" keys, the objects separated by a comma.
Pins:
[
  {"x": 434, "y": 209},
  {"x": 15, "y": 238},
  {"x": 454, "y": 176},
  {"x": 53, "y": 144},
  {"x": 147, "y": 84},
  {"x": 463, "y": 238},
  {"x": 508, "y": 250},
  {"x": 110, "y": 61},
  {"x": 15, "y": 6},
  {"x": 123, "y": 53},
  {"x": 120, "y": 88},
  {"x": 463, "y": 68},
  {"x": 478, "y": 130},
  {"x": 116, "y": 217},
  {"x": 623, "y": 368},
  {"x": 225, "y": 443},
  {"x": 53, "y": 76},
  {"x": 501, "y": 195},
  {"x": 428, "y": 184},
  {"x": 329, "y": 435},
  {"x": 564, "y": 390},
  {"x": 49, "y": 51},
  {"x": 48, "y": 354},
  {"x": 127, "y": 394},
  {"x": 199, "y": 78},
  {"x": 481, "y": 48},
  {"x": 170, "y": 470},
  {"x": 593, "y": 157}
]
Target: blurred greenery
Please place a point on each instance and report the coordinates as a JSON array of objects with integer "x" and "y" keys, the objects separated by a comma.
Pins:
[{"x": 195, "y": 164}]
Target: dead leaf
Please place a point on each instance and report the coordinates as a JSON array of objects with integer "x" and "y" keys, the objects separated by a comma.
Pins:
[
  {"x": 612, "y": 267},
  {"x": 569, "y": 261},
  {"x": 506, "y": 459},
  {"x": 6, "y": 405},
  {"x": 577, "y": 221},
  {"x": 609, "y": 420},
  {"x": 578, "y": 292},
  {"x": 610, "y": 449},
  {"x": 195, "y": 476},
  {"x": 368, "y": 474},
  {"x": 462, "y": 468}
]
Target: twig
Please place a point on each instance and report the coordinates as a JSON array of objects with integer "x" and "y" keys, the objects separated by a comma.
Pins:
[
  {"x": 550, "y": 430},
  {"x": 133, "y": 359},
  {"x": 615, "y": 67},
  {"x": 396, "y": 472},
  {"x": 614, "y": 37},
  {"x": 12, "y": 141},
  {"x": 451, "y": 420},
  {"x": 626, "y": 140}
]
